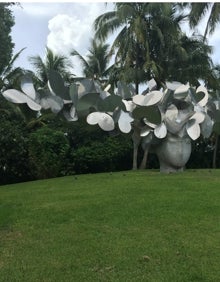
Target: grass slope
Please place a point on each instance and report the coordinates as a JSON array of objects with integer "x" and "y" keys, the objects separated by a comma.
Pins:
[{"x": 125, "y": 226}]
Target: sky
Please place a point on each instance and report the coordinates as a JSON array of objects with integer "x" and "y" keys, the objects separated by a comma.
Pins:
[{"x": 63, "y": 26}]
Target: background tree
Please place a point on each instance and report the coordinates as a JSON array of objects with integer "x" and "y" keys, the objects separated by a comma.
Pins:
[
  {"x": 52, "y": 61},
  {"x": 6, "y": 24},
  {"x": 96, "y": 63},
  {"x": 200, "y": 10},
  {"x": 145, "y": 33}
]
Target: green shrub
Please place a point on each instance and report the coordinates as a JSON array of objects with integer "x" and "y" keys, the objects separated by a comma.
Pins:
[
  {"x": 108, "y": 154},
  {"x": 48, "y": 152},
  {"x": 14, "y": 165}
]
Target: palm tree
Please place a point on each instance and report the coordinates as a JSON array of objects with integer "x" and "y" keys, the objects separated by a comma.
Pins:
[
  {"x": 96, "y": 63},
  {"x": 10, "y": 75},
  {"x": 199, "y": 10},
  {"x": 146, "y": 30},
  {"x": 52, "y": 61}
]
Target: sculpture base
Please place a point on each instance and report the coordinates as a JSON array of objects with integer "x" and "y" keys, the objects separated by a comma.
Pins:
[{"x": 173, "y": 153}]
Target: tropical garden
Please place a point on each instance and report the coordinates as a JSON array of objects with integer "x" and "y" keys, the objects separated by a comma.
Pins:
[{"x": 149, "y": 44}]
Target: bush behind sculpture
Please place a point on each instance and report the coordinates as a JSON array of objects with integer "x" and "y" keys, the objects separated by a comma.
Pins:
[{"x": 48, "y": 150}]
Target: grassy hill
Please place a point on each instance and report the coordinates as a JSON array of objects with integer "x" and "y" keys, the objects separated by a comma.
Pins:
[{"x": 121, "y": 227}]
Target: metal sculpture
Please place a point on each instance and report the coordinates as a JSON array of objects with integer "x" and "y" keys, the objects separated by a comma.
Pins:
[{"x": 165, "y": 120}]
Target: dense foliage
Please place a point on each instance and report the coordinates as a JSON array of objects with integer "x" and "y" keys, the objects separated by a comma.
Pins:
[
  {"x": 14, "y": 162},
  {"x": 6, "y": 24},
  {"x": 48, "y": 151}
]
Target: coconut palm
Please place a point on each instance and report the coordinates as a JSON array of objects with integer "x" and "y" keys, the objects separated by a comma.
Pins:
[
  {"x": 146, "y": 30},
  {"x": 200, "y": 10},
  {"x": 95, "y": 64},
  {"x": 10, "y": 75},
  {"x": 52, "y": 61}
]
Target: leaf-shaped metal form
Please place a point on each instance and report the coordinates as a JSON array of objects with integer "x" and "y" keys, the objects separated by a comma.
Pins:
[
  {"x": 124, "y": 122},
  {"x": 204, "y": 100},
  {"x": 33, "y": 105},
  {"x": 110, "y": 103},
  {"x": 27, "y": 87},
  {"x": 56, "y": 84},
  {"x": 86, "y": 86},
  {"x": 173, "y": 85},
  {"x": 129, "y": 105},
  {"x": 145, "y": 131},
  {"x": 151, "y": 113},
  {"x": 87, "y": 101},
  {"x": 70, "y": 114},
  {"x": 104, "y": 120},
  {"x": 206, "y": 126},
  {"x": 181, "y": 92},
  {"x": 54, "y": 103},
  {"x": 160, "y": 131},
  {"x": 193, "y": 129},
  {"x": 152, "y": 85},
  {"x": 15, "y": 96},
  {"x": 139, "y": 99},
  {"x": 199, "y": 117},
  {"x": 153, "y": 98},
  {"x": 171, "y": 112}
]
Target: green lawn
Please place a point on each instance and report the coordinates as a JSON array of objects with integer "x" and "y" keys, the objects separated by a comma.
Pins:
[{"x": 121, "y": 227}]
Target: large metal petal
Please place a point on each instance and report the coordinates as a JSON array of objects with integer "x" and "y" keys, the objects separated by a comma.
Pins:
[
  {"x": 160, "y": 131},
  {"x": 151, "y": 113},
  {"x": 55, "y": 103},
  {"x": 173, "y": 85},
  {"x": 129, "y": 105},
  {"x": 152, "y": 85},
  {"x": 199, "y": 117},
  {"x": 106, "y": 122},
  {"x": 56, "y": 85},
  {"x": 193, "y": 129},
  {"x": 207, "y": 126},
  {"x": 70, "y": 115},
  {"x": 86, "y": 86},
  {"x": 171, "y": 113},
  {"x": 139, "y": 100},
  {"x": 181, "y": 92},
  {"x": 15, "y": 96},
  {"x": 33, "y": 105},
  {"x": 153, "y": 98},
  {"x": 110, "y": 103},
  {"x": 145, "y": 131},
  {"x": 87, "y": 101},
  {"x": 27, "y": 87},
  {"x": 124, "y": 122},
  {"x": 204, "y": 101},
  {"x": 93, "y": 118}
]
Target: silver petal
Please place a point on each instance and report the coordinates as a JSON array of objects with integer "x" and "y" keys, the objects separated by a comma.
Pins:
[
  {"x": 124, "y": 122},
  {"x": 15, "y": 96},
  {"x": 27, "y": 87},
  {"x": 160, "y": 131},
  {"x": 193, "y": 129}
]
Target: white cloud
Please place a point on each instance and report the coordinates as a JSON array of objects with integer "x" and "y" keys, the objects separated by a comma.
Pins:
[{"x": 74, "y": 29}]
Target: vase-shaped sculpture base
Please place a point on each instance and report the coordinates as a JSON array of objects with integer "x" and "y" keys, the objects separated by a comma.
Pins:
[{"x": 173, "y": 153}]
